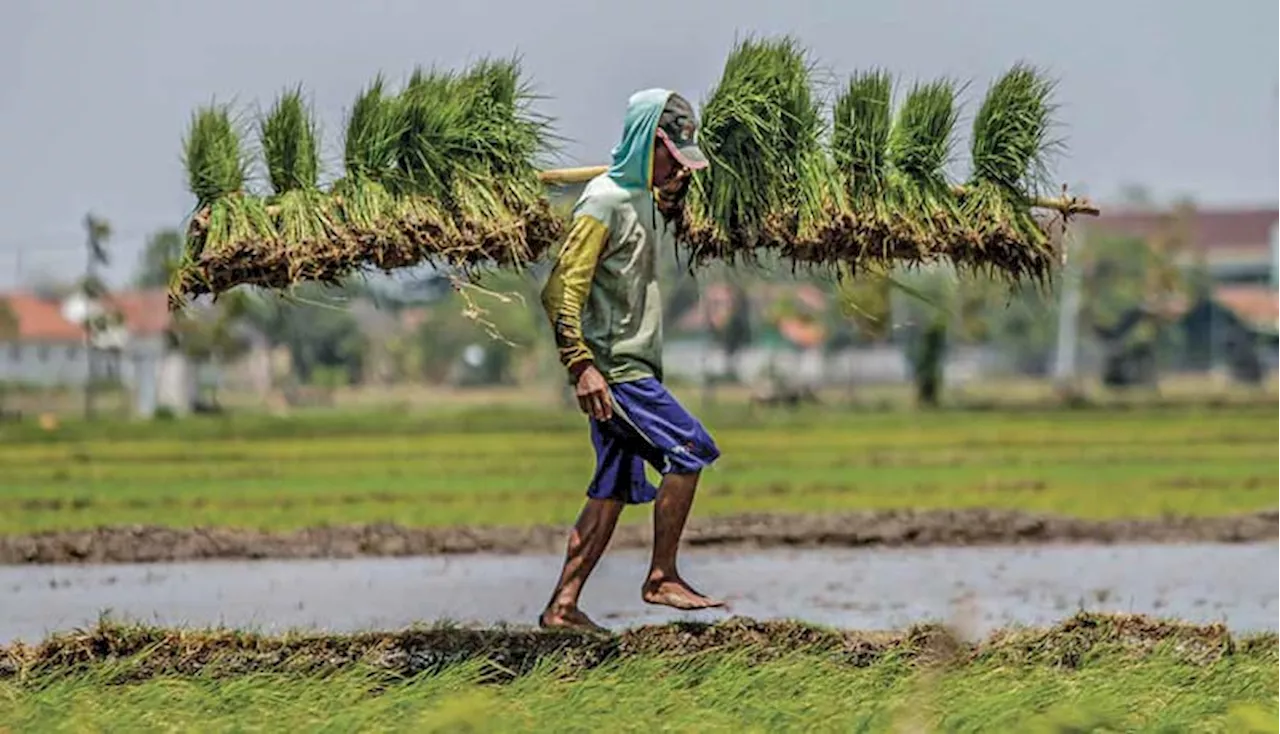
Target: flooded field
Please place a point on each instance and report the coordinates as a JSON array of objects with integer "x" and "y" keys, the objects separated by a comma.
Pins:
[{"x": 980, "y": 588}]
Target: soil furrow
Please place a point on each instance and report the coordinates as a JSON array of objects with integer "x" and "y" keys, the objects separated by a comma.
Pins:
[{"x": 964, "y": 527}]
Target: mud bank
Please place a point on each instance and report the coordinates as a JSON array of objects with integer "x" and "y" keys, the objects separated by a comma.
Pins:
[
  {"x": 139, "y": 652},
  {"x": 148, "y": 544}
]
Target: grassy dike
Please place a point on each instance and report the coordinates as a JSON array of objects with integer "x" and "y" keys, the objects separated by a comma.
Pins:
[{"x": 1089, "y": 673}]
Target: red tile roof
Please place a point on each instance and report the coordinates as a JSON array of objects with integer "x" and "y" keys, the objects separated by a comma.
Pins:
[
  {"x": 1257, "y": 305},
  {"x": 1210, "y": 229},
  {"x": 40, "y": 319},
  {"x": 146, "y": 313}
]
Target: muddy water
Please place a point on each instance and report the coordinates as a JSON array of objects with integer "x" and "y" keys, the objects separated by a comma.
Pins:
[{"x": 979, "y": 588}]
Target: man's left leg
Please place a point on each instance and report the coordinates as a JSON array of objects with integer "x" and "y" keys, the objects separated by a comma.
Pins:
[{"x": 619, "y": 480}]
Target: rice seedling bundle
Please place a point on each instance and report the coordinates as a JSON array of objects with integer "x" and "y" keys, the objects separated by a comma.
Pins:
[
  {"x": 231, "y": 228},
  {"x": 863, "y": 121},
  {"x": 768, "y": 181},
  {"x": 877, "y": 189},
  {"x": 310, "y": 234},
  {"x": 445, "y": 171},
  {"x": 898, "y": 205},
  {"x": 369, "y": 211},
  {"x": 928, "y": 213},
  {"x": 469, "y": 143},
  {"x": 1010, "y": 150}
]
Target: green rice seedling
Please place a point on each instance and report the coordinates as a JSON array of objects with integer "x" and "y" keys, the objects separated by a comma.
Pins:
[
  {"x": 1010, "y": 151},
  {"x": 862, "y": 123},
  {"x": 927, "y": 213},
  {"x": 437, "y": 206},
  {"x": 290, "y": 143},
  {"x": 431, "y": 114},
  {"x": 509, "y": 140},
  {"x": 496, "y": 188},
  {"x": 368, "y": 209},
  {"x": 213, "y": 155},
  {"x": 373, "y": 131},
  {"x": 762, "y": 127},
  {"x": 471, "y": 143},
  {"x": 313, "y": 242},
  {"x": 436, "y": 165},
  {"x": 229, "y": 222}
]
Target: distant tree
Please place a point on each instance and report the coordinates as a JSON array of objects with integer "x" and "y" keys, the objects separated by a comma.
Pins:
[
  {"x": 8, "y": 332},
  {"x": 681, "y": 295},
  {"x": 497, "y": 314},
  {"x": 736, "y": 333},
  {"x": 1133, "y": 291},
  {"x": 1022, "y": 322},
  {"x": 319, "y": 335},
  {"x": 8, "y": 321},
  {"x": 928, "y": 309},
  {"x": 1136, "y": 196},
  {"x": 866, "y": 301},
  {"x": 211, "y": 334},
  {"x": 99, "y": 232},
  {"x": 159, "y": 259}
]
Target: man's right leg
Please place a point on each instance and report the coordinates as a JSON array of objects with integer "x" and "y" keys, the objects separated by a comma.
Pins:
[
  {"x": 587, "y": 542},
  {"x": 619, "y": 480}
]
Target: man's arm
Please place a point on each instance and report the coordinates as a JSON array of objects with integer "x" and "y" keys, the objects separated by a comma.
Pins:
[{"x": 565, "y": 294}]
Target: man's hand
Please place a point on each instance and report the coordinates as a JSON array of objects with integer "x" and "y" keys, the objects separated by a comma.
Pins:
[{"x": 593, "y": 394}]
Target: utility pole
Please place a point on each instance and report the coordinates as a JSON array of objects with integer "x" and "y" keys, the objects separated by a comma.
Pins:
[
  {"x": 1275, "y": 226},
  {"x": 97, "y": 232},
  {"x": 1064, "y": 369},
  {"x": 1275, "y": 270}
]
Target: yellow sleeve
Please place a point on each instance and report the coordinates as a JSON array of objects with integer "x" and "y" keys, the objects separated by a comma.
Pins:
[{"x": 565, "y": 294}]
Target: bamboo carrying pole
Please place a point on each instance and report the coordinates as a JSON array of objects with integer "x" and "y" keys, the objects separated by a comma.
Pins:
[{"x": 1067, "y": 205}]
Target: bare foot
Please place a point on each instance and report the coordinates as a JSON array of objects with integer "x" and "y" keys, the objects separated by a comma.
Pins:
[
  {"x": 568, "y": 618},
  {"x": 675, "y": 593}
]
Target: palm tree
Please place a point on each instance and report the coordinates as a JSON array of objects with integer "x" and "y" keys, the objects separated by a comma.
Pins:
[
  {"x": 160, "y": 258},
  {"x": 97, "y": 231}
]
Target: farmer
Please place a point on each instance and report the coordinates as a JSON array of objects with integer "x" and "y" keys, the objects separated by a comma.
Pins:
[{"x": 603, "y": 302}]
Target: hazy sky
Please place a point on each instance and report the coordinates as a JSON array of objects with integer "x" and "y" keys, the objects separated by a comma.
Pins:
[{"x": 1177, "y": 96}]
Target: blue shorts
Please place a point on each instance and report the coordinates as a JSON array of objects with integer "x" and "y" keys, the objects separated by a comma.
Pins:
[{"x": 648, "y": 426}]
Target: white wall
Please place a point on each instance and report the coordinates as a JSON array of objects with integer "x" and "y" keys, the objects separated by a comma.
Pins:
[
  {"x": 157, "y": 377},
  {"x": 44, "y": 363},
  {"x": 690, "y": 359}
]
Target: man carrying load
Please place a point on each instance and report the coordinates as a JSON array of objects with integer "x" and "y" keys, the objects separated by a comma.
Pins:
[{"x": 603, "y": 302}]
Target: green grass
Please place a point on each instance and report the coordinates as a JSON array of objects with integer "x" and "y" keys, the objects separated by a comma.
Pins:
[
  {"x": 720, "y": 691},
  {"x": 1088, "y": 673},
  {"x": 509, "y": 467}
]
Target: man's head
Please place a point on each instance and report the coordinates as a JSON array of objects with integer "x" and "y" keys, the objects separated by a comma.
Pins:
[{"x": 675, "y": 151}]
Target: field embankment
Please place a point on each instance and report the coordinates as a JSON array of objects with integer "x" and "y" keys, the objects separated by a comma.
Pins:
[{"x": 1123, "y": 672}]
